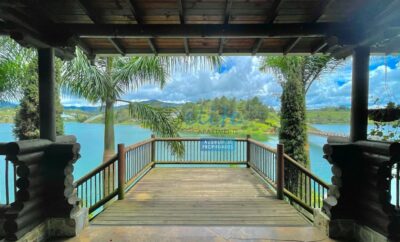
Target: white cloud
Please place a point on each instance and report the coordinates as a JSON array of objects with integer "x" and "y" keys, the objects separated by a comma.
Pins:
[{"x": 240, "y": 78}]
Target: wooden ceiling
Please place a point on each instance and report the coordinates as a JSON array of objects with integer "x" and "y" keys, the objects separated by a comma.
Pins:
[{"x": 202, "y": 27}]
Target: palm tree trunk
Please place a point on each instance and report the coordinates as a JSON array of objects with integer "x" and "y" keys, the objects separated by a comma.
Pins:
[{"x": 109, "y": 137}]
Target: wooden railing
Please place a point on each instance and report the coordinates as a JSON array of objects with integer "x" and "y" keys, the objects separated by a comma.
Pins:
[
  {"x": 201, "y": 151},
  {"x": 287, "y": 176},
  {"x": 116, "y": 176},
  {"x": 99, "y": 186}
]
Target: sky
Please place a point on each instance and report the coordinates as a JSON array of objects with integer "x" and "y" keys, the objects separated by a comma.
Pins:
[{"x": 240, "y": 77}]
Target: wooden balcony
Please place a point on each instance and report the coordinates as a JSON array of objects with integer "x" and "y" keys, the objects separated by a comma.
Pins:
[{"x": 219, "y": 185}]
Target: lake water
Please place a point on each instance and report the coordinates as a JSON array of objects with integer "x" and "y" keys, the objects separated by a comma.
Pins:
[{"x": 90, "y": 136}]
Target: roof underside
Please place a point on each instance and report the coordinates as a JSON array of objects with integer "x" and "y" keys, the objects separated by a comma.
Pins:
[{"x": 192, "y": 27}]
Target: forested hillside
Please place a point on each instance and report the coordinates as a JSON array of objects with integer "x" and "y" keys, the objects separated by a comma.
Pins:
[{"x": 229, "y": 117}]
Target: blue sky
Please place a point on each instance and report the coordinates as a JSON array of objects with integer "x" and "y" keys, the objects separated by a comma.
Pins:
[{"x": 239, "y": 77}]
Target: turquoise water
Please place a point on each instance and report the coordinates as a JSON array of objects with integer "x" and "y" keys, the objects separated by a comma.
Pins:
[{"x": 90, "y": 136}]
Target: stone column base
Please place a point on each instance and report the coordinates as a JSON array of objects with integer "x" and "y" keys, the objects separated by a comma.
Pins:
[
  {"x": 58, "y": 227},
  {"x": 68, "y": 227},
  {"x": 346, "y": 229}
]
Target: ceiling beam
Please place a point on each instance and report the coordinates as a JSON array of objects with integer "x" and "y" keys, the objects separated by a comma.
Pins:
[
  {"x": 318, "y": 13},
  {"x": 152, "y": 46},
  {"x": 182, "y": 21},
  {"x": 319, "y": 47},
  {"x": 257, "y": 46},
  {"x": 274, "y": 11},
  {"x": 88, "y": 9},
  {"x": 289, "y": 47},
  {"x": 209, "y": 30},
  {"x": 117, "y": 45},
  {"x": 271, "y": 16},
  {"x": 320, "y": 10},
  {"x": 134, "y": 11},
  {"x": 227, "y": 16}
]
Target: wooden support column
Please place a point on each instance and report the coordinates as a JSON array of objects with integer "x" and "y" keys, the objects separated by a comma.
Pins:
[
  {"x": 280, "y": 171},
  {"x": 359, "y": 94},
  {"x": 47, "y": 109},
  {"x": 248, "y": 157},
  {"x": 121, "y": 171},
  {"x": 153, "y": 148}
]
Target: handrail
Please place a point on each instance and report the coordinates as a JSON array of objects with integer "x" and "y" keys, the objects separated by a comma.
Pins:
[
  {"x": 306, "y": 171},
  {"x": 96, "y": 170},
  {"x": 136, "y": 145},
  {"x": 130, "y": 163},
  {"x": 291, "y": 179}
]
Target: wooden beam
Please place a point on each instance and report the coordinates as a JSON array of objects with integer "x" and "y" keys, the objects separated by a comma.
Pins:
[
  {"x": 209, "y": 30},
  {"x": 227, "y": 12},
  {"x": 134, "y": 11},
  {"x": 88, "y": 9},
  {"x": 321, "y": 9},
  {"x": 274, "y": 12},
  {"x": 257, "y": 46},
  {"x": 221, "y": 46},
  {"x": 319, "y": 47},
  {"x": 227, "y": 15},
  {"x": 182, "y": 21},
  {"x": 288, "y": 48},
  {"x": 181, "y": 12},
  {"x": 359, "y": 94},
  {"x": 152, "y": 46},
  {"x": 117, "y": 45},
  {"x": 186, "y": 45},
  {"x": 47, "y": 110}
]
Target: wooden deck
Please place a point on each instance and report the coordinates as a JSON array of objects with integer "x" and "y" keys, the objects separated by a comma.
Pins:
[{"x": 200, "y": 196}]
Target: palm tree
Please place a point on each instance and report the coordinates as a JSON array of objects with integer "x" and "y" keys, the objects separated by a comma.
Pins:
[
  {"x": 106, "y": 80},
  {"x": 296, "y": 74}
]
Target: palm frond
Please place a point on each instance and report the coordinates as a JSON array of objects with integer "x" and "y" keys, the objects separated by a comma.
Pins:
[
  {"x": 14, "y": 61},
  {"x": 134, "y": 72},
  {"x": 85, "y": 80},
  {"x": 162, "y": 122}
]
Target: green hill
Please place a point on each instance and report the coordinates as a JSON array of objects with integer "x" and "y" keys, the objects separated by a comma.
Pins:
[{"x": 329, "y": 115}]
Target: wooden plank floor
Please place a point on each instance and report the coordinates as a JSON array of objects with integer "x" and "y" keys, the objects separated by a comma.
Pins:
[{"x": 200, "y": 196}]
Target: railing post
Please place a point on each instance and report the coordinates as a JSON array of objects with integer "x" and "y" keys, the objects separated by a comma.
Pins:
[
  {"x": 248, "y": 150},
  {"x": 153, "y": 148},
  {"x": 280, "y": 171},
  {"x": 121, "y": 171}
]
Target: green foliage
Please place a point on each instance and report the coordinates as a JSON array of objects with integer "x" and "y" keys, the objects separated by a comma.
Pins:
[
  {"x": 387, "y": 131},
  {"x": 330, "y": 115},
  {"x": 296, "y": 74},
  {"x": 109, "y": 78},
  {"x": 224, "y": 116},
  {"x": 14, "y": 61},
  {"x": 293, "y": 131},
  {"x": 27, "y": 121}
]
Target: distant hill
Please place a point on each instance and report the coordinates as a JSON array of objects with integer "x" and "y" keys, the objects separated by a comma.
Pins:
[
  {"x": 329, "y": 115},
  {"x": 89, "y": 109}
]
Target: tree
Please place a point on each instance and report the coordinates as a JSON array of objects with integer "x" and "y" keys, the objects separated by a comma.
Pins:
[
  {"x": 27, "y": 120},
  {"x": 109, "y": 78},
  {"x": 18, "y": 75},
  {"x": 296, "y": 74}
]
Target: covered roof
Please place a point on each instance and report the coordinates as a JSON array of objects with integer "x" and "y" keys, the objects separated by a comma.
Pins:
[{"x": 192, "y": 27}]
